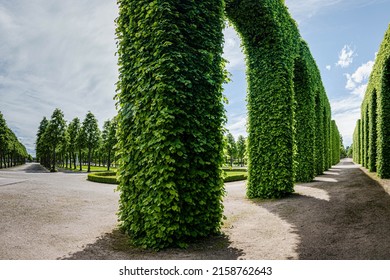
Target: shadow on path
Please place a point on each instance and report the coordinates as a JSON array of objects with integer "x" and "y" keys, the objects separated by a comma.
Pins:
[
  {"x": 28, "y": 168},
  {"x": 115, "y": 246},
  {"x": 343, "y": 214}
]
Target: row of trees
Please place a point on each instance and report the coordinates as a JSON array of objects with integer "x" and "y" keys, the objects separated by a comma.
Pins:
[
  {"x": 77, "y": 142},
  {"x": 12, "y": 151},
  {"x": 371, "y": 138},
  {"x": 235, "y": 151}
]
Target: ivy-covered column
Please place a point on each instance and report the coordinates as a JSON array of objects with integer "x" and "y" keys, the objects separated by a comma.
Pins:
[
  {"x": 384, "y": 116},
  {"x": 372, "y": 132},
  {"x": 270, "y": 38},
  {"x": 306, "y": 80},
  {"x": 170, "y": 120}
]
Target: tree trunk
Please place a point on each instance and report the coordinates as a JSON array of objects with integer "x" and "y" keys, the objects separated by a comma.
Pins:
[
  {"x": 89, "y": 159},
  {"x": 109, "y": 160},
  {"x": 80, "y": 161}
]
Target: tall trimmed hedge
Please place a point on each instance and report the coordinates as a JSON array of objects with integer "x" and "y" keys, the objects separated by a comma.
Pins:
[
  {"x": 372, "y": 154},
  {"x": 356, "y": 142},
  {"x": 171, "y": 113},
  {"x": 374, "y": 128},
  {"x": 288, "y": 111},
  {"x": 270, "y": 39},
  {"x": 170, "y": 120},
  {"x": 335, "y": 143}
]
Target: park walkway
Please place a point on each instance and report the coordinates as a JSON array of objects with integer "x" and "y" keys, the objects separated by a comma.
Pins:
[{"x": 343, "y": 214}]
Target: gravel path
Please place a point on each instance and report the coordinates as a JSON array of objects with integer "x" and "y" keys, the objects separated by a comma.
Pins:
[{"x": 343, "y": 214}]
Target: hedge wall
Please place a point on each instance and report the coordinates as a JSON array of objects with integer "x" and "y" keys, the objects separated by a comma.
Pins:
[
  {"x": 374, "y": 128},
  {"x": 335, "y": 143},
  {"x": 170, "y": 120}
]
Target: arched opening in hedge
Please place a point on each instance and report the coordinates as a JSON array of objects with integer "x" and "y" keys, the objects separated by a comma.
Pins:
[{"x": 170, "y": 120}]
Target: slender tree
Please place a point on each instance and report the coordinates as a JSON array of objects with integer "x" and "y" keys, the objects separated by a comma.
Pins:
[
  {"x": 73, "y": 131},
  {"x": 109, "y": 139},
  {"x": 241, "y": 149},
  {"x": 56, "y": 134},
  {"x": 231, "y": 147},
  {"x": 91, "y": 134}
]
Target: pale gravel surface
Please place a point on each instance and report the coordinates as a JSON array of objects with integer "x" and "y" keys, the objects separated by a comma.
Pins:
[{"x": 343, "y": 214}]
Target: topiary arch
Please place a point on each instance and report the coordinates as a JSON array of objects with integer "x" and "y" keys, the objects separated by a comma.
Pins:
[
  {"x": 371, "y": 142},
  {"x": 170, "y": 122}
]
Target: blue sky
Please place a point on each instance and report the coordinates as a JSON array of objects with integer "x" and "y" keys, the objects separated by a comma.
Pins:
[{"x": 62, "y": 54}]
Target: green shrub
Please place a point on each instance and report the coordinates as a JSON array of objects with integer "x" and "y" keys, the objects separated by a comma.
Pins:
[{"x": 103, "y": 177}]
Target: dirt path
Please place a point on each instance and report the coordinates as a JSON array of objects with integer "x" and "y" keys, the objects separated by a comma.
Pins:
[{"x": 343, "y": 214}]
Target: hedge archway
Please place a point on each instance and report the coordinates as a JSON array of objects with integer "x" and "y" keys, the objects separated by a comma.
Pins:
[
  {"x": 171, "y": 114},
  {"x": 371, "y": 142}
]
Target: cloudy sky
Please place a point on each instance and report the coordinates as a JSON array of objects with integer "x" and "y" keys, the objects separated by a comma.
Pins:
[{"x": 62, "y": 54}]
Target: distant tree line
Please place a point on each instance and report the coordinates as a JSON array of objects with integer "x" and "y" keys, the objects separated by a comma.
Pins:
[
  {"x": 76, "y": 143},
  {"x": 12, "y": 151}
]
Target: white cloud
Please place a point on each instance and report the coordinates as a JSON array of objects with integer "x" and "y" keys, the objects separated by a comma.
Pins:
[
  {"x": 232, "y": 51},
  {"x": 237, "y": 125},
  {"x": 357, "y": 82},
  {"x": 345, "y": 56},
  {"x": 363, "y": 72},
  {"x": 56, "y": 54},
  {"x": 328, "y": 67}
]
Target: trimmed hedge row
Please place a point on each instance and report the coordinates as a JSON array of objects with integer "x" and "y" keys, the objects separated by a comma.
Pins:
[
  {"x": 110, "y": 177},
  {"x": 372, "y": 132},
  {"x": 103, "y": 177},
  {"x": 289, "y": 116},
  {"x": 171, "y": 113}
]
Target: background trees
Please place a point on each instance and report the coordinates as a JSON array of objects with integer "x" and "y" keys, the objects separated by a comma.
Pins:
[
  {"x": 109, "y": 139},
  {"x": 231, "y": 147},
  {"x": 73, "y": 132},
  {"x": 12, "y": 151},
  {"x": 76, "y": 144},
  {"x": 91, "y": 135},
  {"x": 55, "y": 134}
]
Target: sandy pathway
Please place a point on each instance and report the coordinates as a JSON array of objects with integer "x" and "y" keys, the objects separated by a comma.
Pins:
[{"x": 343, "y": 214}]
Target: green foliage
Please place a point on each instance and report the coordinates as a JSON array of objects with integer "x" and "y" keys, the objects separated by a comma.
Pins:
[
  {"x": 170, "y": 135},
  {"x": 73, "y": 131},
  {"x": 111, "y": 178},
  {"x": 336, "y": 144},
  {"x": 288, "y": 110},
  {"x": 91, "y": 135},
  {"x": 12, "y": 151},
  {"x": 304, "y": 94},
  {"x": 372, "y": 133},
  {"x": 55, "y": 134},
  {"x": 241, "y": 149},
  {"x": 269, "y": 39},
  {"x": 384, "y": 119},
  {"x": 231, "y": 147},
  {"x": 356, "y": 142},
  {"x": 103, "y": 177}
]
